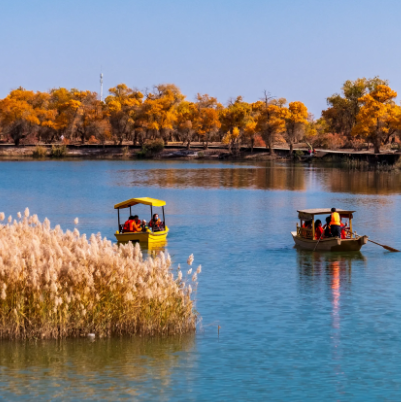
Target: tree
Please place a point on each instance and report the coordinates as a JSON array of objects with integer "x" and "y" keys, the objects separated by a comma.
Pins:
[
  {"x": 87, "y": 111},
  {"x": 378, "y": 117},
  {"x": 160, "y": 110},
  {"x": 209, "y": 123},
  {"x": 187, "y": 121},
  {"x": 295, "y": 119},
  {"x": 270, "y": 120},
  {"x": 343, "y": 110},
  {"x": 18, "y": 115},
  {"x": 57, "y": 117},
  {"x": 123, "y": 108},
  {"x": 234, "y": 118}
]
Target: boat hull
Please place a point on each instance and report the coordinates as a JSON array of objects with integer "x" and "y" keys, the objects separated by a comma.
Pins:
[
  {"x": 330, "y": 244},
  {"x": 142, "y": 237}
]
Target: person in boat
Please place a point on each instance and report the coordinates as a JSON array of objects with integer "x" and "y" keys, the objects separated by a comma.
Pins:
[
  {"x": 344, "y": 229},
  {"x": 133, "y": 224},
  {"x": 326, "y": 227},
  {"x": 335, "y": 223},
  {"x": 318, "y": 230},
  {"x": 307, "y": 225},
  {"x": 155, "y": 223},
  {"x": 145, "y": 226}
]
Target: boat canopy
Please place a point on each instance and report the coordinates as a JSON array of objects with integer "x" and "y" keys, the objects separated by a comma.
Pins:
[
  {"x": 309, "y": 213},
  {"x": 142, "y": 200}
]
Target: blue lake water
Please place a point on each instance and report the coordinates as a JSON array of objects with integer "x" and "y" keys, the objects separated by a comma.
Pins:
[{"x": 293, "y": 325}]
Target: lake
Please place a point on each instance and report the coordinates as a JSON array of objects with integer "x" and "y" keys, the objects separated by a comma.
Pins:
[{"x": 294, "y": 325}]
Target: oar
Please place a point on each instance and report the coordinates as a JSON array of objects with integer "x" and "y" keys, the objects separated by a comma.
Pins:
[
  {"x": 318, "y": 241},
  {"x": 394, "y": 250}
]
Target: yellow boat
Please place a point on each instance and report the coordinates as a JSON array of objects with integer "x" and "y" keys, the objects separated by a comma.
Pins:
[{"x": 148, "y": 235}]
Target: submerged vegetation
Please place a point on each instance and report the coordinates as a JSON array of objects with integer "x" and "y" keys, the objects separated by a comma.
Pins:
[{"x": 56, "y": 284}]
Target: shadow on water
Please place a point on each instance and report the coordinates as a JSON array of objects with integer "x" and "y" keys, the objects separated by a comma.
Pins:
[{"x": 79, "y": 368}]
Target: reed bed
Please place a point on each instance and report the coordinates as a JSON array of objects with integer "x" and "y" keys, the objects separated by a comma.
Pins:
[{"x": 56, "y": 284}]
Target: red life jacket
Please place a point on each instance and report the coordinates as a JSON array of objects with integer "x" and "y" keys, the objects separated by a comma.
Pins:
[{"x": 318, "y": 232}]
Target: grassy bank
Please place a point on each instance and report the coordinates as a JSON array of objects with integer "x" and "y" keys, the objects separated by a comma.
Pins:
[{"x": 56, "y": 284}]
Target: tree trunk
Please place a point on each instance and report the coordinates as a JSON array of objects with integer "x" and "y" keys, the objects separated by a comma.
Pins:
[
  {"x": 291, "y": 148},
  {"x": 376, "y": 145},
  {"x": 16, "y": 141},
  {"x": 271, "y": 149},
  {"x": 252, "y": 144}
]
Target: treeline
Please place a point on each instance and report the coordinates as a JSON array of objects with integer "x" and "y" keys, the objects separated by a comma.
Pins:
[{"x": 364, "y": 113}]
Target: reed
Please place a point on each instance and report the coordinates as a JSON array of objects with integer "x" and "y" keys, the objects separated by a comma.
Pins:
[
  {"x": 39, "y": 152},
  {"x": 58, "y": 151},
  {"x": 56, "y": 284}
]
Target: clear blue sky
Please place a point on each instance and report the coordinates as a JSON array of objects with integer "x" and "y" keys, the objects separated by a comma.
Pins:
[{"x": 298, "y": 49}]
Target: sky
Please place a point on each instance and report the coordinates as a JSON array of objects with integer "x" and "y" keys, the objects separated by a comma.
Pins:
[{"x": 302, "y": 50}]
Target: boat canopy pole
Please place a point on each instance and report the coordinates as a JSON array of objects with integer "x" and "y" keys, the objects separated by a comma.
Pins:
[
  {"x": 118, "y": 211},
  {"x": 164, "y": 219},
  {"x": 151, "y": 216},
  {"x": 130, "y": 213},
  {"x": 350, "y": 225}
]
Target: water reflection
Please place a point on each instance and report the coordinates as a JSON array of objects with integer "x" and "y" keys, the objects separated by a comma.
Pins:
[
  {"x": 321, "y": 264},
  {"x": 79, "y": 369},
  {"x": 294, "y": 177},
  {"x": 154, "y": 248},
  {"x": 277, "y": 178},
  {"x": 363, "y": 182}
]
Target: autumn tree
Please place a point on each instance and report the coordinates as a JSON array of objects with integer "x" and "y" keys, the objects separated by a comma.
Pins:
[
  {"x": 378, "y": 117},
  {"x": 343, "y": 109},
  {"x": 123, "y": 108},
  {"x": 87, "y": 112},
  {"x": 295, "y": 119},
  {"x": 187, "y": 121},
  {"x": 234, "y": 119},
  {"x": 270, "y": 119},
  {"x": 208, "y": 122},
  {"x": 18, "y": 114},
  {"x": 160, "y": 110}
]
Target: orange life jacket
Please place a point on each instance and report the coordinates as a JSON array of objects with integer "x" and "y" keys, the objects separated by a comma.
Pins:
[
  {"x": 127, "y": 226},
  {"x": 154, "y": 224},
  {"x": 136, "y": 226},
  {"x": 132, "y": 226},
  {"x": 335, "y": 219}
]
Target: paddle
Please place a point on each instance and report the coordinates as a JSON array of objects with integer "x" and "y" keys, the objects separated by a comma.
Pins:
[
  {"x": 393, "y": 250},
  {"x": 318, "y": 241}
]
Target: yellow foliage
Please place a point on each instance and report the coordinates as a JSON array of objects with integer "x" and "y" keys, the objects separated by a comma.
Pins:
[{"x": 379, "y": 117}]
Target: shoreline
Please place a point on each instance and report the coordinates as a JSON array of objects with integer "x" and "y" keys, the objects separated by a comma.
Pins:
[{"x": 197, "y": 151}]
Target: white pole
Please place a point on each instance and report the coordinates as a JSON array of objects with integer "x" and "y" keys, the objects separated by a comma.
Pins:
[{"x": 101, "y": 87}]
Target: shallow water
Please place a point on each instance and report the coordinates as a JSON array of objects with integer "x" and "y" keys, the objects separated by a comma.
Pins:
[{"x": 293, "y": 325}]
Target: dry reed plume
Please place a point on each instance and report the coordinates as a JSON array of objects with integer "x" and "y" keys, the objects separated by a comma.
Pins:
[{"x": 55, "y": 284}]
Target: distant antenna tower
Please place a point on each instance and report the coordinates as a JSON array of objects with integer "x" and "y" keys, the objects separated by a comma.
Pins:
[{"x": 101, "y": 87}]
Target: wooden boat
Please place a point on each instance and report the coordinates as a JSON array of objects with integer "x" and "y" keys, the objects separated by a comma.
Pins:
[
  {"x": 305, "y": 238},
  {"x": 147, "y": 235}
]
